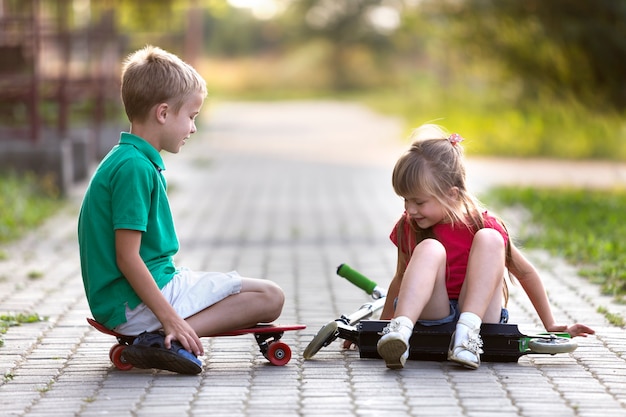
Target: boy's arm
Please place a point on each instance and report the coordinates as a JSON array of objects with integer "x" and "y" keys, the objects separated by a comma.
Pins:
[{"x": 127, "y": 243}]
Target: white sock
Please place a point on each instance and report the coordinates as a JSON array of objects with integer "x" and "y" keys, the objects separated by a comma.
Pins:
[
  {"x": 471, "y": 320},
  {"x": 404, "y": 321},
  {"x": 467, "y": 321},
  {"x": 406, "y": 326}
]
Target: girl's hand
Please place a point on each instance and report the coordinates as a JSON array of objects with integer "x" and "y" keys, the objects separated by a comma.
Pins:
[
  {"x": 573, "y": 330},
  {"x": 579, "y": 330},
  {"x": 348, "y": 345}
]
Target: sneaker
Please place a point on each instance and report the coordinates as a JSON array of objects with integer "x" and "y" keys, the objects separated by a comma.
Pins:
[
  {"x": 467, "y": 350},
  {"x": 393, "y": 346},
  {"x": 148, "y": 352}
]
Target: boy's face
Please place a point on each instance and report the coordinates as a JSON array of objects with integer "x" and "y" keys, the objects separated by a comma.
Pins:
[{"x": 179, "y": 126}]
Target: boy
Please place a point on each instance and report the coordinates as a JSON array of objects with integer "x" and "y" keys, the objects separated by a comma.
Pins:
[{"x": 127, "y": 238}]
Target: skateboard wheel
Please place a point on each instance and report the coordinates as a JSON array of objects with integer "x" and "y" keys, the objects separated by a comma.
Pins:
[
  {"x": 115, "y": 354},
  {"x": 279, "y": 353},
  {"x": 324, "y": 337},
  {"x": 552, "y": 346}
]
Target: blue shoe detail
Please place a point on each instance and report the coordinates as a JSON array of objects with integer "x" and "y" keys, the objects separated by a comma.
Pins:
[{"x": 148, "y": 352}]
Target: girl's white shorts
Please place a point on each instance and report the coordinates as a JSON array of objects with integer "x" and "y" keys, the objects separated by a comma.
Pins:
[{"x": 189, "y": 292}]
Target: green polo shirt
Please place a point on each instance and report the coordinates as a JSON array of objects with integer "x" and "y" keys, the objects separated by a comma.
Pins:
[{"x": 127, "y": 191}]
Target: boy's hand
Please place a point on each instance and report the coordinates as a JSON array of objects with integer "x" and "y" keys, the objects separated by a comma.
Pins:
[
  {"x": 181, "y": 331},
  {"x": 127, "y": 244}
]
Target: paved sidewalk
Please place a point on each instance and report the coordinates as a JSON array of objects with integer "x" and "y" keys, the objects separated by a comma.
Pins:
[{"x": 288, "y": 191}]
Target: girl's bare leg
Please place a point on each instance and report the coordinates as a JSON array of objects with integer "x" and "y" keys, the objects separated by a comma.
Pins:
[
  {"x": 482, "y": 291},
  {"x": 480, "y": 298},
  {"x": 422, "y": 295},
  {"x": 260, "y": 301}
]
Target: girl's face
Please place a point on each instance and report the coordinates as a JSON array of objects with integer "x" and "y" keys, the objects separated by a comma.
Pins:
[{"x": 425, "y": 210}]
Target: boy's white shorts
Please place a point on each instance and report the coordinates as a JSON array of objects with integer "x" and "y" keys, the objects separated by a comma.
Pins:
[{"x": 189, "y": 292}]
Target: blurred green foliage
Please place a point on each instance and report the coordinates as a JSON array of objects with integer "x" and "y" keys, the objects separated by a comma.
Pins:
[
  {"x": 517, "y": 78},
  {"x": 492, "y": 125},
  {"x": 575, "y": 48},
  {"x": 496, "y": 71},
  {"x": 26, "y": 201},
  {"x": 585, "y": 226}
]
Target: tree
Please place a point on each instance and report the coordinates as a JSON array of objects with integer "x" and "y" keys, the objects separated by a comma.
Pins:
[
  {"x": 567, "y": 46},
  {"x": 345, "y": 25}
]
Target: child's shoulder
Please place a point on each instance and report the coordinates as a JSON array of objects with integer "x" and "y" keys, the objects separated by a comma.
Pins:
[
  {"x": 491, "y": 219},
  {"x": 494, "y": 222}
]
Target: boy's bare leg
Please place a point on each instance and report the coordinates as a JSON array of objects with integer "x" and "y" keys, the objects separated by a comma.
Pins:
[{"x": 260, "y": 301}]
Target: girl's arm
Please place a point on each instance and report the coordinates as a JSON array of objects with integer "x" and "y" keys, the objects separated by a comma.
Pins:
[
  {"x": 129, "y": 262},
  {"x": 394, "y": 287},
  {"x": 531, "y": 282}
]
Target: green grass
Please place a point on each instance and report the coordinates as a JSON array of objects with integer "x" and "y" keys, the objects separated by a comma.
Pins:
[
  {"x": 10, "y": 320},
  {"x": 586, "y": 227},
  {"x": 26, "y": 202}
]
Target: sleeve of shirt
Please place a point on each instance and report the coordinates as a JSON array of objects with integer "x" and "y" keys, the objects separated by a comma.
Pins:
[
  {"x": 131, "y": 188},
  {"x": 401, "y": 235},
  {"x": 493, "y": 223},
  {"x": 394, "y": 233}
]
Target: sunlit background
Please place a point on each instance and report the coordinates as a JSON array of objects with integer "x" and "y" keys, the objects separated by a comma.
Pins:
[
  {"x": 519, "y": 79},
  {"x": 530, "y": 79}
]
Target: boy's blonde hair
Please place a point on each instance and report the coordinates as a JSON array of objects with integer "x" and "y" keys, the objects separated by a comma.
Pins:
[{"x": 151, "y": 76}]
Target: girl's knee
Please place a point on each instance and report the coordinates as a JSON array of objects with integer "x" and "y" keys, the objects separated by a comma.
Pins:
[
  {"x": 431, "y": 248},
  {"x": 489, "y": 238}
]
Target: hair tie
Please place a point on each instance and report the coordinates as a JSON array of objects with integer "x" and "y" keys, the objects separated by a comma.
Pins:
[{"x": 455, "y": 138}]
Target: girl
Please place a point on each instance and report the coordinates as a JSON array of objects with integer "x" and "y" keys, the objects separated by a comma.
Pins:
[{"x": 452, "y": 256}]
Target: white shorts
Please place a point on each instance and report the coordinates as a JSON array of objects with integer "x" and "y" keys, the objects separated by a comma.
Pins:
[{"x": 189, "y": 292}]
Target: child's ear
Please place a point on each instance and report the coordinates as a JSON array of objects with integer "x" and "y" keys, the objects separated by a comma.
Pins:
[
  {"x": 453, "y": 194},
  {"x": 161, "y": 112}
]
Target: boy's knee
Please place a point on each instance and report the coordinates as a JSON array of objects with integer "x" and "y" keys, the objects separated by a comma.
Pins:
[
  {"x": 278, "y": 295},
  {"x": 275, "y": 298}
]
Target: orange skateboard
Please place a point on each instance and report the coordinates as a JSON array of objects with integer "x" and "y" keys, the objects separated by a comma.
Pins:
[{"x": 267, "y": 337}]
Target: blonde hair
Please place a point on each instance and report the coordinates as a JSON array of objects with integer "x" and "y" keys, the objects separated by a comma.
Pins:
[
  {"x": 151, "y": 76},
  {"x": 434, "y": 166}
]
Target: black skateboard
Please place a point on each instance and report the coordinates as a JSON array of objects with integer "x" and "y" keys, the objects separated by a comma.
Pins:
[{"x": 501, "y": 342}]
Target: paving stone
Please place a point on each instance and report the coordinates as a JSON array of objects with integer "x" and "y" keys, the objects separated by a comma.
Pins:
[{"x": 287, "y": 192}]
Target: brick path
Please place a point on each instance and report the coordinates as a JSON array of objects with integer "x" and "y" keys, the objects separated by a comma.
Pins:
[{"x": 288, "y": 191}]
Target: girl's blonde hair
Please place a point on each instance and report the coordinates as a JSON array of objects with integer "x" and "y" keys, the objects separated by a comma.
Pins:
[
  {"x": 434, "y": 166},
  {"x": 151, "y": 76}
]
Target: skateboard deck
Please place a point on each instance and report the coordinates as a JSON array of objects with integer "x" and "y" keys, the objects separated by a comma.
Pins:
[
  {"x": 501, "y": 342},
  {"x": 267, "y": 337}
]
